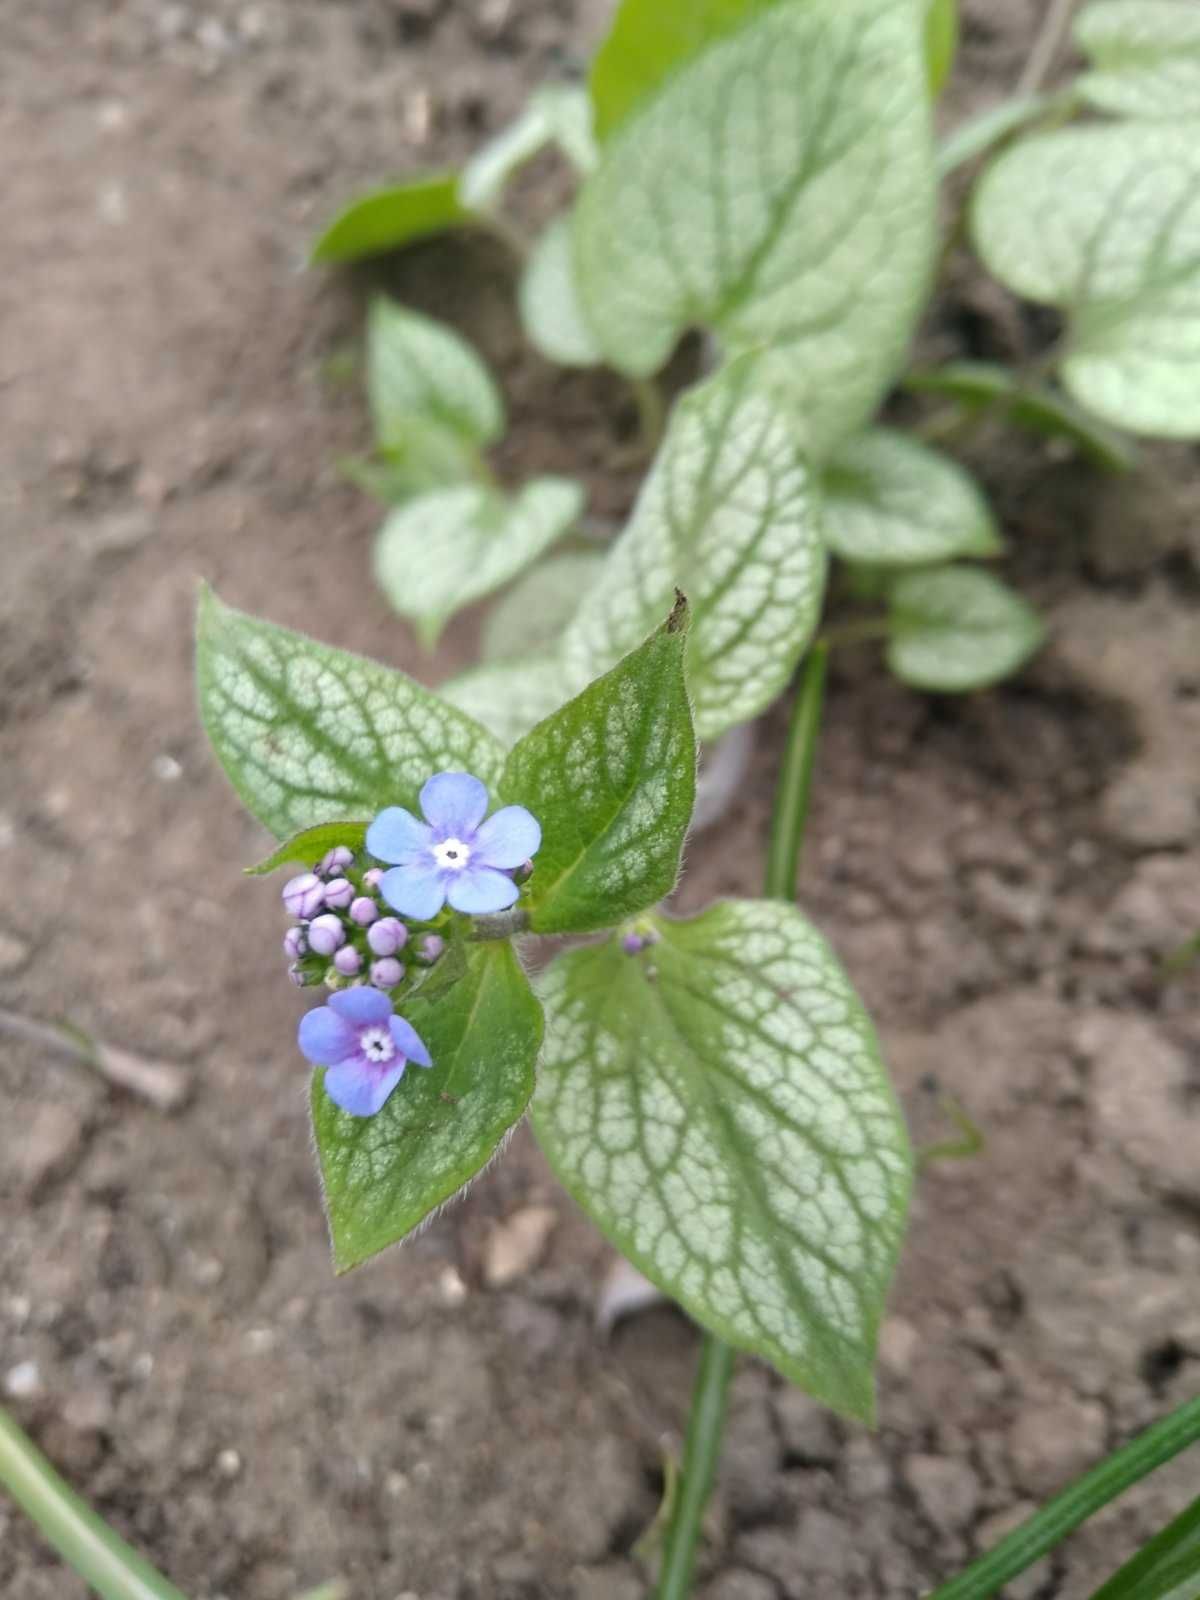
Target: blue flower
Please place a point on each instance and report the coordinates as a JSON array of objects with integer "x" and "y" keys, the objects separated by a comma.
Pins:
[
  {"x": 363, "y": 1046},
  {"x": 453, "y": 855}
]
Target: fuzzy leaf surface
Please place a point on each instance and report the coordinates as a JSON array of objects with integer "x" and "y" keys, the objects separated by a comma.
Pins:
[
  {"x": 1104, "y": 223},
  {"x": 420, "y": 370},
  {"x": 548, "y": 302},
  {"x": 890, "y": 501},
  {"x": 956, "y": 628},
  {"x": 729, "y": 516},
  {"x": 310, "y": 734},
  {"x": 719, "y": 1107},
  {"x": 1145, "y": 56},
  {"x": 777, "y": 187},
  {"x": 509, "y": 697},
  {"x": 438, "y": 552},
  {"x": 530, "y": 617},
  {"x": 383, "y": 1175},
  {"x": 611, "y": 777},
  {"x": 310, "y": 844}
]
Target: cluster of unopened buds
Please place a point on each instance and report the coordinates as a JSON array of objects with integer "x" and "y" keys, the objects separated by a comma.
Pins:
[{"x": 346, "y": 933}]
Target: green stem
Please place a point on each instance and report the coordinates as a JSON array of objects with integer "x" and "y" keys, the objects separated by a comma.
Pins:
[
  {"x": 88, "y": 1544},
  {"x": 706, "y": 1420},
  {"x": 1081, "y": 1500}
]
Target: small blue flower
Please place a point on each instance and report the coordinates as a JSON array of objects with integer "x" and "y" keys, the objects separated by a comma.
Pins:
[
  {"x": 363, "y": 1046},
  {"x": 453, "y": 855}
]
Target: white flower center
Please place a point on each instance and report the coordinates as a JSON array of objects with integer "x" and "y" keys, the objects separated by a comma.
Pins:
[
  {"x": 452, "y": 854},
  {"x": 377, "y": 1044}
]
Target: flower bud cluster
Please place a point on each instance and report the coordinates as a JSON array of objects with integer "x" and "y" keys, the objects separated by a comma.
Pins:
[{"x": 342, "y": 935}]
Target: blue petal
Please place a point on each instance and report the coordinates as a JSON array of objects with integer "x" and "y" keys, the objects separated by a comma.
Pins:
[
  {"x": 454, "y": 804},
  {"x": 396, "y": 835},
  {"x": 361, "y": 1087},
  {"x": 409, "y": 1042},
  {"x": 507, "y": 839},
  {"x": 416, "y": 892},
  {"x": 325, "y": 1038},
  {"x": 363, "y": 1007},
  {"x": 480, "y": 889}
]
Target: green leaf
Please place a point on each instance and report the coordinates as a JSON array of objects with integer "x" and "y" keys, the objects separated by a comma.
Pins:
[
  {"x": 307, "y": 734},
  {"x": 385, "y": 219},
  {"x": 1034, "y": 406},
  {"x": 510, "y": 697},
  {"x": 1166, "y": 1568},
  {"x": 531, "y": 616},
  {"x": 990, "y": 127},
  {"x": 890, "y": 501},
  {"x": 385, "y": 1174},
  {"x": 1145, "y": 55},
  {"x": 611, "y": 777},
  {"x": 719, "y": 1107},
  {"x": 550, "y": 312},
  {"x": 1103, "y": 223},
  {"x": 941, "y": 41},
  {"x": 555, "y": 114},
  {"x": 437, "y": 553},
  {"x": 421, "y": 374},
  {"x": 651, "y": 39},
  {"x": 310, "y": 844},
  {"x": 727, "y": 515},
  {"x": 956, "y": 628},
  {"x": 777, "y": 188}
]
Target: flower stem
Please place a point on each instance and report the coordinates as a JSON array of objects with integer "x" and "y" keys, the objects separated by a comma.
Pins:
[
  {"x": 706, "y": 1420},
  {"x": 503, "y": 925},
  {"x": 1079, "y": 1501},
  {"x": 100, "y": 1557}
]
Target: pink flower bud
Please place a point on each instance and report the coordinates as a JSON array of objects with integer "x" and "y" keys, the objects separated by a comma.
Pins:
[
  {"x": 347, "y": 961},
  {"x": 431, "y": 947},
  {"x": 294, "y": 943},
  {"x": 297, "y": 977},
  {"x": 363, "y": 910},
  {"x": 335, "y": 861},
  {"x": 387, "y": 936},
  {"x": 372, "y": 877},
  {"x": 386, "y": 974},
  {"x": 523, "y": 873},
  {"x": 326, "y": 934},
  {"x": 632, "y": 943},
  {"x": 304, "y": 896},
  {"x": 338, "y": 893}
]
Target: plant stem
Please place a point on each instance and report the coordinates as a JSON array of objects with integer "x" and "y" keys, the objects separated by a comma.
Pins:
[
  {"x": 706, "y": 1420},
  {"x": 100, "y": 1557},
  {"x": 1079, "y": 1501},
  {"x": 1046, "y": 46}
]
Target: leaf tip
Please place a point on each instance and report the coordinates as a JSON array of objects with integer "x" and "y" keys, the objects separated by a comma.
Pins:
[{"x": 680, "y": 615}]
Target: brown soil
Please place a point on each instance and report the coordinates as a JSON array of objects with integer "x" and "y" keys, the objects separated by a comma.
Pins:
[{"x": 1002, "y": 875}]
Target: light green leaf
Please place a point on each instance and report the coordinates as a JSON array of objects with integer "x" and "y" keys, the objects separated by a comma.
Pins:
[
  {"x": 307, "y": 734},
  {"x": 1146, "y": 56},
  {"x": 941, "y": 41},
  {"x": 651, "y": 39},
  {"x": 310, "y": 844},
  {"x": 421, "y": 375},
  {"x": 719, "y": 1107},
  {"x": 530, "y": 618},
  {"x": 437, "y": 553},
  {"x": 1104, "y": 223},
  {"x": 385, "y": 1174},
  {"x": 778, "y": 187},
  {"x": 727, "y": 515},
  {"x": 386, "y": 219},
  {"x": 957, "y": 628},
  {"x": 890, "y": 501},
  {"x": 549, "y": 306},
  {"x": 990, "y": 127},
  {"x": 1043, "y": 410},
  {"x": 510, "y": 697},
  {"x": 555, "y": 114},
  {"x": 611, "y": 777}
]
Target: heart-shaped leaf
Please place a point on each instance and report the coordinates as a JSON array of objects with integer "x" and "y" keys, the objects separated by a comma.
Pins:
[
  {"x": 611, "y": 777},
  {"x": 1145, "y": 56},
  {"x": 718, "y": 1106},
  {"x": 385, "y": 219},
  {"x": 440, "y": 551},
  {"x": 890, "y": 501},
  {"x": 956, "y": 628},
  {"x": 441, "y": 1126},
  {"x": 776, "y": 186},
  {"x": 307, "y": 734},
  {"x": 550, "y": 312},
  {"x": 727, "y": 515},
  {"x": 1104, "y": 223},
  {"x": 420, "y": 371}
]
